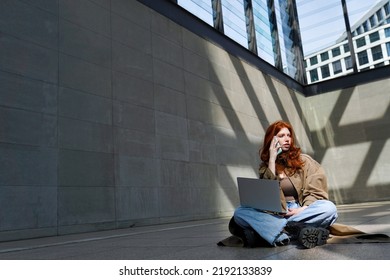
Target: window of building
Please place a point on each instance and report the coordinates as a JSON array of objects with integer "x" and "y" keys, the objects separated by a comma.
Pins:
[
  {"x": 362, "y": 57},
  {"x": 325, "y": 71},
  {"x": 387, "y": 32},
  {"x": 346, "y": 48},
  {"x": 313, "y": 75},
  {"x": 337, "y": 67},
  {"x": 388, "y": 48},
  {"x": 373, "y": 21},
  {"x": 324, "y": 56},
  {"x": 374, "y": 37},
  {"x": 387, "y": 9},
  {"x": 359, "y": 30},
  {"x": 336, "y": 52},
  {"x": 361, "y": 42},
  {"x": 379, "y": 15},
  {"x": 348, "y": 62},
  {"x": 365, "y": 26},
  {"x": 376, "y": 53},
  {"x": 313, "y": 60}
]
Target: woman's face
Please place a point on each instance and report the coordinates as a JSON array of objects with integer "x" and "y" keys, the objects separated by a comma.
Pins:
[{"x": 284, "y": 138}]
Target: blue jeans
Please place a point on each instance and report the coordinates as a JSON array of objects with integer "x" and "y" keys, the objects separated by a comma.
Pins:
[{"x": 321, "y": 213}]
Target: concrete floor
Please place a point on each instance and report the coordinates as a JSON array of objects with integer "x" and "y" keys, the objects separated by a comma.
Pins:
[{"x": 197, "y": 241}]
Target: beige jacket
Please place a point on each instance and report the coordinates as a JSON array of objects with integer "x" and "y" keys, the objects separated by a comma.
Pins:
[{"x": 310, "y": 182}]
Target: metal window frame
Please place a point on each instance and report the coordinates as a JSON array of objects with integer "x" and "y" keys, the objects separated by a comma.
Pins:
[
  {"x": 349, "y": 36},
  {"x": 274, "y": 35},
  {"x": 217, "y": 15},
  {"x": 250, "y": 26}
]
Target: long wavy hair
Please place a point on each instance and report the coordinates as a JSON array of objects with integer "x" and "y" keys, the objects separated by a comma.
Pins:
[{"x": 289, "y": 161}]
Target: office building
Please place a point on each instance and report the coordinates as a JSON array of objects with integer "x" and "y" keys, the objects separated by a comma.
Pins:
[{"x": 371, "y": 43}]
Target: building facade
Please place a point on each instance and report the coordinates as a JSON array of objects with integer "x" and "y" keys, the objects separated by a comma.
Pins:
[{"x": 371, "y": 43}]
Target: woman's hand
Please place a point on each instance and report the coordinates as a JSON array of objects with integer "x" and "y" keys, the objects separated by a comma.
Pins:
[
  {"x": 273, "y": 153},
  {"x": 295, "y": 211},
  {"x": 273, "y": 149}
]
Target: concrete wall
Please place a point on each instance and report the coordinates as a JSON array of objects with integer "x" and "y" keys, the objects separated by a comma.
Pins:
[
  {"x": 111, "y": 116},
  {"x": 350, "y": 132}
]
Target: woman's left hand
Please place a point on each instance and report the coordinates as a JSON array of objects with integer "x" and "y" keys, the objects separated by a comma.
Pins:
[{"x": 295, "y": 211}]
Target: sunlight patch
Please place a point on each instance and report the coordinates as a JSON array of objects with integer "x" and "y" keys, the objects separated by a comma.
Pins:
[
  {"x": 380, "y": 174},
  {"x": 362, "y": 109},
  {"x": 342, "y": 164}
]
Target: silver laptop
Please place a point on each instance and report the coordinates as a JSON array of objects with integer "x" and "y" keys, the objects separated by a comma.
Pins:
[{"x": 260, "y": 194}]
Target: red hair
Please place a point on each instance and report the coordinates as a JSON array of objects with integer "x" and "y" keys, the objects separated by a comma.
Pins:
[{"x": 289, "y": 161}]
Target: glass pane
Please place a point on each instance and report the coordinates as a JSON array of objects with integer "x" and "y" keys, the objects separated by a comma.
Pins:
[
  {"x": 387, "y": 9},
  {"x": 374, "y": 37},
  {"x": 336, "y": 52},
  {"x": 348, "y": 63},
  {"x": 324, "y": 56},
  {"x": 376, "y": 53},
  {"x": 373, "y": 20},
  {"x": 387, "y": 32},
  {"x": 337, "y": 67},
  {"x": 388, "y": 49},
  {"x": 321, "y": 23},
  {"x": 201, "y": 8},
  {"x": 363, "y": 58},
  {"x": 313, "y": 75},
  {"x": 379, "y": 15},
  {"x": 360, "y": 42},
  {"x": 346, "y": 47},
  {"x": 313, "y": 60},
  {"x": 264, "y": 37},
  {"x": 234, "y": 21},
  {"x": 325, "y": 71}
]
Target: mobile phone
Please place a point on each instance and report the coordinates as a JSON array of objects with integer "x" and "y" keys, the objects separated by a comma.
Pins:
[{"x": 279, "y": 148}]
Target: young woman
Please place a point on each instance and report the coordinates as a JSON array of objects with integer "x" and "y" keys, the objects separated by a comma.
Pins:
[{"x": 304, "y": 194}]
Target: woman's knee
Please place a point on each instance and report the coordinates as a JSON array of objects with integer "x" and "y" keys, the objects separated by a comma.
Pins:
[
  {"x": 327, "y": 206},
  {"x": 331, "y": 206},
  {"x": 241, "y": 215},
  {"x": 242, "y": 212},
  {"x": 246, "y": 214}
]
